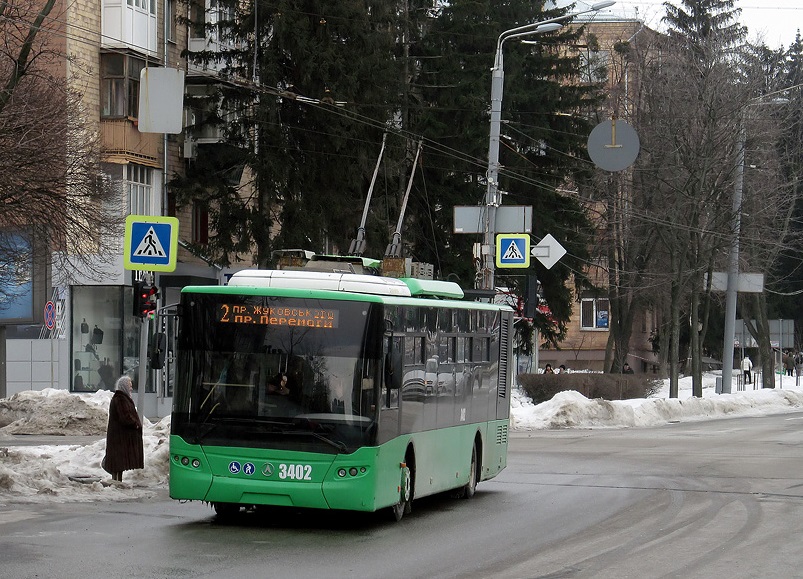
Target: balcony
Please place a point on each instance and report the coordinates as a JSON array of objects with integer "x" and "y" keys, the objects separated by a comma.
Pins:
[{"x": 123, "y": 143}]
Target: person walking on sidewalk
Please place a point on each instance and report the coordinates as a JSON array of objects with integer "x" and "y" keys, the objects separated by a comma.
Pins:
[
  {"x": 747, "y": 365},
  {"x": 124, "y": 449},
  {"x": 789, "y": 363}
]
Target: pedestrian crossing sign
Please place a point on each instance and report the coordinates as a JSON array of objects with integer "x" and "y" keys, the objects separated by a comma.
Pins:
[
  {"x": 513, "y": 250},
  {"x": 150, "y": 243}
]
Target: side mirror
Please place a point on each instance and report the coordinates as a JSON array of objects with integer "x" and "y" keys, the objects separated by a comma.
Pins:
[{"x": 393, "y": 362}]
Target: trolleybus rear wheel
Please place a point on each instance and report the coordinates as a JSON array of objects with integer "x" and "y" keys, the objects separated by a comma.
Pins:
[{"x": 471, "y": 486}]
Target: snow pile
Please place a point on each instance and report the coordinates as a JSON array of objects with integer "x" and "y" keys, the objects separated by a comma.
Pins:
[
  {"x": 52, "y": 411},
  {"x": 72, "y": 472},
  {"x": 570, "y": 409}
]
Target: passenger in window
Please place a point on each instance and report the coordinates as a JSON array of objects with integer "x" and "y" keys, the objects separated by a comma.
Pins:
[{"x": 278, "y": 385}]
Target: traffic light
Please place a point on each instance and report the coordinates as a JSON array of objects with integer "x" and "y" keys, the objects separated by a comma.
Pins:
[
  {"x": 139, "y": 298},
  {"x": 153, "y": 297},
  {"x": 158, "y": 350},
  {"x": 145, "y": 298},
  {"x": 531, "y": 296}
]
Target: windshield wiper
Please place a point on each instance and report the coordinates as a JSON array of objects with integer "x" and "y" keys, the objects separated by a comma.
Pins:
[
  {"x": 208, "y": 427},
  {"x": 252, "y": 420},
  {"x": 335, "y": 443},
  {"x": 278, "y": 427},
  {"x": 215, "y": 421}
]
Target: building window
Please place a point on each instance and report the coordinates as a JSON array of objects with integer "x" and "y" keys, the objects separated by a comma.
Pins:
[
  {"x": 120, "y": 85},
  {"x": 594, "y": 313},
  {"x": 139, "y": 186},
  {"x": 200, "y": 224},
  {"x": 144, "y": 5},
  {"x": 594, "y": 66},
  {"x": 105, "y": 339},
  {"x": 197, "y": 19},
  {"x": 170, "y": 13}
]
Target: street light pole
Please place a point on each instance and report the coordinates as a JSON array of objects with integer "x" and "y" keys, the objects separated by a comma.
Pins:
[
  {"x": 733, "y": 266},
  {"x": 497, "y": 88},
  {"x": 731, "y": 289}
]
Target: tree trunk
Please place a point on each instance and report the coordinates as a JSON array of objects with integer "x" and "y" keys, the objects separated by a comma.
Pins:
[
  {"x": 754, "y": 313},
  {"x": 674, "y": 332},
  {"x": 695, "y": 346}
]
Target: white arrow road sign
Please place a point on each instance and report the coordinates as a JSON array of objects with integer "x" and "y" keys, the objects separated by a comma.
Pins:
[{"x": 549, "y": 251}]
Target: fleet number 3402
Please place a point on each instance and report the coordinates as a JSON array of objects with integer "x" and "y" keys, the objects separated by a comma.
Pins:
[{"x": 295, "y": 471}]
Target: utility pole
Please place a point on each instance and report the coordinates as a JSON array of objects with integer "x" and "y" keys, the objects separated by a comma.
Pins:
[{"x": 486, "y": 278}]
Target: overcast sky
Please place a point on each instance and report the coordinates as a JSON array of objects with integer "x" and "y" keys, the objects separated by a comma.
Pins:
[{"x": 776, "y": 21}]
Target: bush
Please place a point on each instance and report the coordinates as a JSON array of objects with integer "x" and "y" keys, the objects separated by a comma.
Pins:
[{"x": 542, "y": 387}]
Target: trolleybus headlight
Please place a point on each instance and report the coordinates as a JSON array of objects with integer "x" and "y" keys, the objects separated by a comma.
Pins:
[
  {"x": 363, "y": 469},
  {"x": 341, "y": 472},
  {"x": 353, "y": 471},
  {"x": 196, "y": 463},
  {"x": 185, "y": 461}
]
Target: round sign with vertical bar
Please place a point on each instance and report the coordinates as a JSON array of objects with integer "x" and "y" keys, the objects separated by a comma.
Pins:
[
  {"x": 50, "y": 315},
  {"x": 613, "y": 145}
]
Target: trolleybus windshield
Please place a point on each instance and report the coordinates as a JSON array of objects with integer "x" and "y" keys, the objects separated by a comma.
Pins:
[{"x": 277, "y": 372}]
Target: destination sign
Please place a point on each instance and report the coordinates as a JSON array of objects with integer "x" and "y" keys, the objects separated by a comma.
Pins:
[{"x": 277, "y": 316}]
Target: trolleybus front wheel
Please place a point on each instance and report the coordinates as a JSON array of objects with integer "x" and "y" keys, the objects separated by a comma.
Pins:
[
  {"x": 226, "y": 511},
  {"x": 406, "y": 489}
]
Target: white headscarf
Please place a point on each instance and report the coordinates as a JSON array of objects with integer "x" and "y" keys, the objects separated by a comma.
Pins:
[{"x": 122, "y": 384}]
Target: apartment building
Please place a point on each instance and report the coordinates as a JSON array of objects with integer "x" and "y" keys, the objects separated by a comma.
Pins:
[{"x": 94, "y": 338}]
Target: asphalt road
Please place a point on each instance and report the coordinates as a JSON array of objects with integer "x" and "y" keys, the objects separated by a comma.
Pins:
[{"x": 708, "y": 499}]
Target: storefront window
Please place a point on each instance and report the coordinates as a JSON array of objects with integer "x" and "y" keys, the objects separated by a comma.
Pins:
[{"x": 105, "y": 340}]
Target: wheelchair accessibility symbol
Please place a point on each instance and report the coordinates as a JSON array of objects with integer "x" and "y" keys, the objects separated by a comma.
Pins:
[{"x": 234, "y": 467}]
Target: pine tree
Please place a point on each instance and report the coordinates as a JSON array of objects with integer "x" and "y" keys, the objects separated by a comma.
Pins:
[
  {"x": 544, "y": 130},
  {"x": 699, "y": 22},
  {"x": 308, "y": 158},
  {"x": 416, "y": 72},
  {"x": 790, "y": 152}
]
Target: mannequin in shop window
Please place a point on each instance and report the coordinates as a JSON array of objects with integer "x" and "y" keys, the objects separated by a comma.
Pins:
[{"x": 106, "y": 373}]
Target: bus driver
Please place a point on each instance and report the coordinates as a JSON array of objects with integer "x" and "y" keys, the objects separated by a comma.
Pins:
[{"x": 278, "y": 385}]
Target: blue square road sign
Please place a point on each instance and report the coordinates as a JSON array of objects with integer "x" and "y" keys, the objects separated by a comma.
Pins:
[
  {"x": 151, "y": 243},
  {"x": 513, "y": 250}
]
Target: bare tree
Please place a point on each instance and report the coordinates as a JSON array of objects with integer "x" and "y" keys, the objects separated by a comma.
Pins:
[
  {"x": 698, "y": 103},
  {"x": 626, "y": 241},
  {"x": 52, "y": 190}
]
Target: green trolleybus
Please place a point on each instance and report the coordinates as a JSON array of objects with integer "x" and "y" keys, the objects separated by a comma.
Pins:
[{"x": 335, "y": 390}]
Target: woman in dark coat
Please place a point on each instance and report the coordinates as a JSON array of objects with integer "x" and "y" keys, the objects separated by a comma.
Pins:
[{"x": 124, "y": 434}]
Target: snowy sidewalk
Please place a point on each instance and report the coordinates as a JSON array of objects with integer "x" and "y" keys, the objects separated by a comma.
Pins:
[{"x": 7, "y": 440}]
